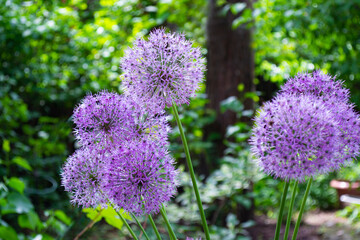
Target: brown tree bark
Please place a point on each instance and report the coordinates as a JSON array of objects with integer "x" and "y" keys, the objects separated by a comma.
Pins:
[{"x": 230, "y": 63}]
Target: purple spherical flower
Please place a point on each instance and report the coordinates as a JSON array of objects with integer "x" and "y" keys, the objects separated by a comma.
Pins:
[
  {"x": 318, "y": 84},
  {"x": 296, "y": 136},
  {"x": 102, "y": 119},
  {"x": 82, "y": 176},
  {"x": 162, "y": 70},
  {"x": 140, "y": 177},
  {"x": 335, "y": 97},
  {"x": 107, "y": 119}
]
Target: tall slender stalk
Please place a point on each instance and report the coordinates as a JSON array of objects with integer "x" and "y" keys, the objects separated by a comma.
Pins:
[
  {"x": 191, "y": 170},
  {"x": 140, "y": 226},
  {"x": 154, "y": 227},
  {"x": 282, "y": 204},
  {"x": 124, "y": 221},
  {"x": 171, "y": 231},
  {"x": 288, "y": 221},
  {"x": 302, "y": 209}
]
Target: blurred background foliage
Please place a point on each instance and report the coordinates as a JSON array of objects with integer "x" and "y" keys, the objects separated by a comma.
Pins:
[{"x": 54, "y": 52}]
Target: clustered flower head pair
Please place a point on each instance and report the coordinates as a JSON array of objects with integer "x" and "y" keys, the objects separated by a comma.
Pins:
[
  {"x": 309, "y": 128},
  {"x": 123, "y": 156}
]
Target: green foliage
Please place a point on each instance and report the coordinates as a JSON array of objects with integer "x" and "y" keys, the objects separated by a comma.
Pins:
[
  {"x": 16, "y": 184},
  {"x": 293, "y": 36},
  {"x": 54, "y": 52},
  {"x": 17, "y": 207},
  {"x": 109, "y": 214},
  {"x": 350, "y": 172},
  {"x": 351, "y": 212},
  {"x": 7, "y": 232},
  {"x": 194, "y": 118},
  {"x": 226, "y": 192}
]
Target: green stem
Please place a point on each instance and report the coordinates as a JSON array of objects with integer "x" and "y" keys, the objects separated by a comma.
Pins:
[
  {"x": 192, "y": 174},
  {"x": 282, "y": 204},
  {"x": 171, "y": 231},
  {"x": 124, "y": 221},
  {"x": 140, "y": 226},
  {"x": 302, "y": 209},
  {"x": 154, "y": 227},
  {"x": 288, "y": 221}
]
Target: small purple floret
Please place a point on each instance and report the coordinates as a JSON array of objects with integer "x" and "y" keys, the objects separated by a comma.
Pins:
[
  {"x": 140, "y": 178},
  {"x": 82, "y": 175},
  {"x": 308, "y": 129},
  {"x": 162, "y": 70},
  {"x": 336, "y": 99},
  {"x": 108, "y": 119},
  {"x": 294, "y": 137}
]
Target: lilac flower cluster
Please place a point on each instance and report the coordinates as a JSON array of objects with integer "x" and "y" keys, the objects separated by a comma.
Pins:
[
  {"x": 105, "y": 119},
  {"x": 116, "y": 136},
  {"x": 82, "y": 176},
  {"x": 141, "y": 177},
  {"x": 123, "y": 156},
  {"x": 162, "y": 70},
  {"x": 336, "y": 99},
  {"x": 308, "y": 129}
]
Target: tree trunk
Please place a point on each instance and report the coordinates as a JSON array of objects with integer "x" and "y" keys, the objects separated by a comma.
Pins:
[{"x": 230, "y": 63}]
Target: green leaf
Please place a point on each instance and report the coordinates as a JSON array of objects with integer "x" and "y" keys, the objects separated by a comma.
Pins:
[
  {"x": 30, "y": 220},
  {"x": 231, "y": 130},
  {"x": 109, "y": 214},
  {"x": 56, "y": 225},
  {"x": 237, "y": 7},
  {"x": 93, "y": 214},
  {"x": 6, "y": 145},
  {"x": 17, "y": 184},
  {"x": 17, "y": 203},
  {"x": 231, "y": 103},
  {"x": 3, "y": 189},
  {"x": 113, "y": 219},
  {"x": 22, "y": 163},
  {"x": 7, "y": 233},
  {"x": 3, "y": 202},
  {"x": 62, "y": 216},
  {"x": 245, "y": 17},
  {"x": 244, "y": 201},
  {"x": 231, "y": 221},
  {"x": 224, "y": 10},
  {"x": 248, "y": 224}
]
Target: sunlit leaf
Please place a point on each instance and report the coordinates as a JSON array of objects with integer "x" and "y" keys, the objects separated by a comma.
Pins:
[
  {"x": 8, "y": 233},
  {"x": 22, "y": 163},
  {"x": 30, "y": 220},
  {"x": 16, "y": 184},
  {"x": 63, "y": 217}
]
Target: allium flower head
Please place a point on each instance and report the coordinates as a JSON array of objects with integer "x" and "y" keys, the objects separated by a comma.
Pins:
[
  {"x": 164, "y": 69},
  {"x": 82, "y": 176},
  {"x": 296, "y": 136},
  {"x": 335, "y": 97},
  {"x": 140, "y": 178},
  {"x": 106, "y": 119},
  {"x": 102, "y": 119}
]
